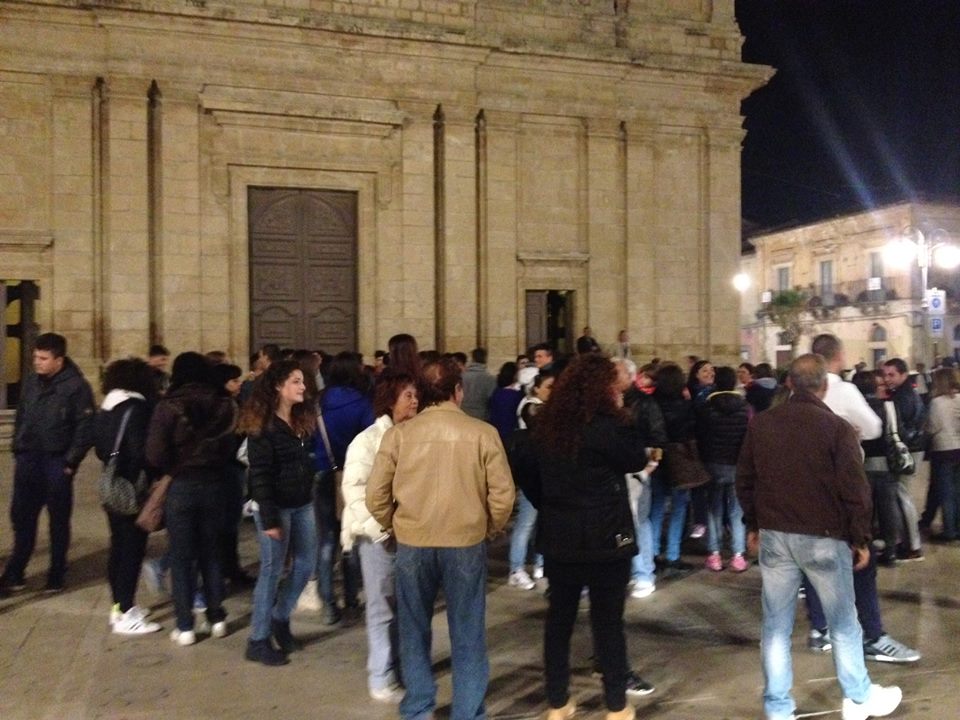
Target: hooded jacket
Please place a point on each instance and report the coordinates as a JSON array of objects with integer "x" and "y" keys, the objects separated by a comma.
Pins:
[
  {"x": 131, "y": 459},
  {"x": 55, "y": 415},
  {"x": 721, "y": 425}
]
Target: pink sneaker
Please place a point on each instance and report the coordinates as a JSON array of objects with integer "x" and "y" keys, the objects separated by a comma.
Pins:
[
  {"x": 714, "y": 562},
  {"x": 738, "y": 563}
]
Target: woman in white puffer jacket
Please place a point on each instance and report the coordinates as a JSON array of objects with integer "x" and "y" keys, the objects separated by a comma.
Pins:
[{"x": 396, "y": 400}]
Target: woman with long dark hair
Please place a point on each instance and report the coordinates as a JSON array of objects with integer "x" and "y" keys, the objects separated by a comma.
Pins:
[
  {"x": 192, "y": 438},
  {"x": 279, "y": 427},
  {"x": 130, "y": 393},
  {"x": 586, "y": 444}
]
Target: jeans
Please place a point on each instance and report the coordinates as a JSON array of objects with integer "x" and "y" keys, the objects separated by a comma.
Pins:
[
  {"x": 946, "y": 475},
  {"x": 610, "y": 644},
  {"x": 865, "y": 597},
  {"x": 377, "y": 564},
  {"x": 462, "y": 574},
  {"x": 886, "y": 506},
  {"x": 723, "y": 502},
  {"x": 128, "y": 544},
  {"x": 642, "y": 566},
  {"x": 328, "y": 541},
  {"x": 828, "y": 565},
  {"x": 300, "y": 535},
  {"x": 908, "y": 511},
  {"x": 38, "y": 480},
  {"x": 679, "y": 499},
  {"x": 523, "y": 526},
  {"x": 194, "y": 515}
]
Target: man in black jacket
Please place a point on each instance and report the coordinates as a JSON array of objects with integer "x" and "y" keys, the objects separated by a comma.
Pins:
[
  {"x": 911, "y": 416},
  {"x": 52, "y": 434}
]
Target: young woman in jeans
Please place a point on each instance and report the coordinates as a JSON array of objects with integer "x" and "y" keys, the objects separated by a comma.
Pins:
[{"x": 279, "y": 427}]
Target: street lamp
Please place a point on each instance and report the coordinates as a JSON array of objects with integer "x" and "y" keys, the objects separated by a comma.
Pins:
[
  {"x": 931, "y": 248},
  {"x": 741, "y": 282}
]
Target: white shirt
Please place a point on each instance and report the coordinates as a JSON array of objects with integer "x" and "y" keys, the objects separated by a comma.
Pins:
[{"x": 848, "y": 402}]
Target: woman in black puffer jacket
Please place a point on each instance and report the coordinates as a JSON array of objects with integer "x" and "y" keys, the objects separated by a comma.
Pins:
[
  {"x": 585, "y": 444},
  {"x": 279, "y": 425}
]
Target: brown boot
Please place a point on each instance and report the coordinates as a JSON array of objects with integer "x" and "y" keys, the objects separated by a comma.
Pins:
[
  {"x": 567, "y": 711},
  {"x": 628, "y": 713}
]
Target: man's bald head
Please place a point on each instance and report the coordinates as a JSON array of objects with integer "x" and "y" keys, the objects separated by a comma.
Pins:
[{"x": 808, "y": 373}]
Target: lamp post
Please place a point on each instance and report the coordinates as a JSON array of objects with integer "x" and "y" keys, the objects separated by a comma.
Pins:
[{"x": 931, "y": 248}]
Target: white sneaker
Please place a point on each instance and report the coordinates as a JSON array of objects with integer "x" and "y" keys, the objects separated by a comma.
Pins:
[
  {"x": 520, "y": 579},
  {"x": 538, "y": 572},
  {"x": 881, "y": 702},
  {"x": 219, "y": 629},
  {"x": 309, "y": 599},
  {"x": 116, "y": 615},
  {"x": 183, "y": 637},
  {"x": 201, "y": 626},
  {"x": 392, "y": 694},
  {"x": 642, "y": 589},
  {"x": 132, "y": 622}
]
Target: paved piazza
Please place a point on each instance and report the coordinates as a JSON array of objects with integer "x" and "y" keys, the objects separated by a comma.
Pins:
[{"x": 696, "y": 639}]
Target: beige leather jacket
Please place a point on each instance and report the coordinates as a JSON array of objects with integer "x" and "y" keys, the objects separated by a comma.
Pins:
[{"x": 441, "y": 480}]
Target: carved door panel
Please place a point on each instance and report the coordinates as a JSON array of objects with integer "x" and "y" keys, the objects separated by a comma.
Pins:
[
  {"x": 536, "y": 317},
  {"x": 303, "y": 268}
]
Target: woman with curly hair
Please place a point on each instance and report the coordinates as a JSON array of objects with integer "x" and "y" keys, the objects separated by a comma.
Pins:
[
  {"x": 279, "y": 427},
  {"x": 585, "y": 445}
]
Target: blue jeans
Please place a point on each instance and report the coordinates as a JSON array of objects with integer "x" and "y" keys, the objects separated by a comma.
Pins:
[
  {"x": 462, "y": 573},
  {"x": 328, "y": 542},
  {"x": 946, "y": 477},
  {"x": 299, "y": 534},
  {"x": 642, "y": 566},
  {"x": 679, "y": 499},
  {"x": 38, "y": 481},
  {"x": 723, "y": 502},
  {"x": 194, "y": 515},
  {"x": 523, "y": 526},
  {"x": 828, "y": 565},
  {"x": 865, "y": 597},
  {"x": 377, "y": 564}
]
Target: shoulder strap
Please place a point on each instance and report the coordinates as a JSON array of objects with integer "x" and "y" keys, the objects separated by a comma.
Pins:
[
  {"x": 891, "y": 411},
  {"x": 123, "y": 429},
  {"x": 326, "y": 439}
]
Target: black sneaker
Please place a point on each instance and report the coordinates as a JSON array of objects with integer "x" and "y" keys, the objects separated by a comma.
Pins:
[
  {"x": 263, "y": 652},
  {"x": 12, "y": 584},
  {"x": 330, "y": 614},
  {"x": 637, "y": 686},
  {"x": 54, "y": 587},
  {"x": 285, "y": 639}
]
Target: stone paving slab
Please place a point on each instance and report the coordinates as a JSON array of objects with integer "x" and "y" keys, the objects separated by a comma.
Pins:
[{"x": 696, "y": 639}]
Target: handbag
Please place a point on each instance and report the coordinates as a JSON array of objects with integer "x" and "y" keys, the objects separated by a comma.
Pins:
[
  {"x": 150, "y": 518},
  {"x": 899, "y": 459},
  {"x": 339, "y": 503},
  {"x": 683, "y": 466},
  {"x": 118, "y": 494}
]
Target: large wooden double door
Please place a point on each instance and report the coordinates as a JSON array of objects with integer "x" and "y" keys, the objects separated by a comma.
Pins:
[{"x": 303, "y": 268}]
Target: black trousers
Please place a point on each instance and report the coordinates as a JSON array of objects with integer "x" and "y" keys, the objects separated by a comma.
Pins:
[
  {"x": 606, "y": 622},
  {"x": 128, "y": 545}
]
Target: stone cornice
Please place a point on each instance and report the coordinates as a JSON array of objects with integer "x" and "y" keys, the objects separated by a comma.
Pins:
[{"x": 25, "y": 240}]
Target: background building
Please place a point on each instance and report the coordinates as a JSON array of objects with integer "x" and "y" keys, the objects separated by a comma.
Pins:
[
  {"x": 326, "y": 173},
  {"x": 843, "y": 273}
]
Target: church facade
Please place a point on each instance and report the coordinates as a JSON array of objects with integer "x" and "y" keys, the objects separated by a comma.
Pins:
[{"x": 325, "y": 173}]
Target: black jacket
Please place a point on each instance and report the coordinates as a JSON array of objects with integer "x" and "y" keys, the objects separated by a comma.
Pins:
[
  {"x": 192, "y": 432},
  {"x": 721, "y": 425},
  {"x": 281, "y": 470},
  {"x": 55, "y": 415},
  {"x": 131, "y": 460},
  {"x": 647, "y": 417},
  {"x": 911, "y": 416},
  {"x": 678, "y": 417},
  {"x": 584, "y": 508}
]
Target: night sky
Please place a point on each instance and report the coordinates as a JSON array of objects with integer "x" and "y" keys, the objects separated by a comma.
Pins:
[{"x": 864, "y": 110}]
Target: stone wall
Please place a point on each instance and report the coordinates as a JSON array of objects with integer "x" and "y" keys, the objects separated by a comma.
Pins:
[{"x": 495, "y": 147}]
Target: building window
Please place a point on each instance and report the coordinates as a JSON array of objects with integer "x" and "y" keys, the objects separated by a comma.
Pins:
[
  {"x": 879, "y": 355},
  {"x": 876, "y": 264},
  {"x": 826, "y": 276},
  {"x": 783, "y": 279},
  {"x": 878, "y": 333}
]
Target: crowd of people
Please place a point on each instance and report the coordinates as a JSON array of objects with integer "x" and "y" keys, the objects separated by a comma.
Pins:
[{"x": 394, "y": 477}]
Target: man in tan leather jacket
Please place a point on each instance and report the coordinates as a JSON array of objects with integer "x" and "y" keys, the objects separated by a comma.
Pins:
[{"x": 442, "y": 485}]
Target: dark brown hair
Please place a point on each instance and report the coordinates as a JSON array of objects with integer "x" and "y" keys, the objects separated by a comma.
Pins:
[
  {"x": 258, "y": 412},
  {"x": 389, "y": 387}
]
